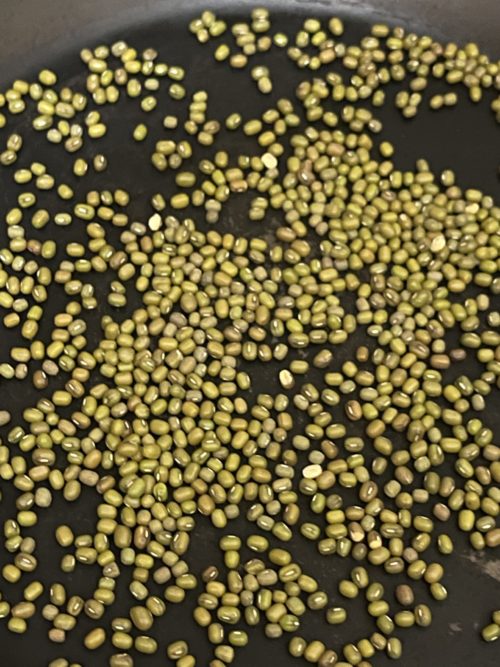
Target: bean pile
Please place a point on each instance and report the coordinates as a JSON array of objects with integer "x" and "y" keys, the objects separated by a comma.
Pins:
[{"x": 368, "y": 458}]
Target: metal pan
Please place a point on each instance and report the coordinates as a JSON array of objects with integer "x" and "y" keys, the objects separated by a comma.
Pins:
[{"x": 36, "y": 34}]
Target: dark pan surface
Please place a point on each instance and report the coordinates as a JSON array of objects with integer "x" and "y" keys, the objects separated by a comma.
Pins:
[{"x": 37, "y": 34}]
